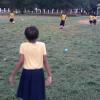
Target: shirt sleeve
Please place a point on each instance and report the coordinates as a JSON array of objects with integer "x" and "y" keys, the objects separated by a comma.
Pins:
[
  {"x": 21, "y": 49},
  {"x": 44, "y": 50}
]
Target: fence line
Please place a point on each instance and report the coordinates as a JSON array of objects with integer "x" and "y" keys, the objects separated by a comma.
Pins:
[{"x": 44, "y": 11}]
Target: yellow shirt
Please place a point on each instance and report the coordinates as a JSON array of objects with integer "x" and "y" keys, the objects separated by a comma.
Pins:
[
  {"x": 94, "y": 18},
  {"x": 90, "y": 18},
  {"x": 12, "y": 15},
  {"x": 33, "y": 54},
  {"x": 63, "y": 17}
]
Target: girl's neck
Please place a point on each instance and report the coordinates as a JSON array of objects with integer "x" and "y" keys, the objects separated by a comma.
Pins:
[{"x": 34, "y": 41}]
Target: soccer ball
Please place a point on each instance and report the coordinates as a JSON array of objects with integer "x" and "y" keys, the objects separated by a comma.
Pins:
[
  {"x": 13, "y": 22},
  {"x": 65, "y": 49}
]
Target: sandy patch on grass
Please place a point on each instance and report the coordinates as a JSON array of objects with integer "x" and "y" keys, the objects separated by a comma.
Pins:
[
  {"x": 3, "y": 17},
  {"x": 83, "y": 21},
  {"x": 87, "y": 21}
]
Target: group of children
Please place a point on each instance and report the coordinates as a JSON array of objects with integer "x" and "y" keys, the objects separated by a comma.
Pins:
[
  {"x": 63, "y": 17},
  {"x": 33, "y": 59}
]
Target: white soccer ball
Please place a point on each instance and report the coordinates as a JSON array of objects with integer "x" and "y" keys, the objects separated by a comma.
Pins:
[
  {"x": 65, "y": 50},
  {"x": 13, "y": 22}
]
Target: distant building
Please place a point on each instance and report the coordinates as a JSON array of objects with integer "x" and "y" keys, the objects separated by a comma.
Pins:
[{"x": 98, "y": 9}]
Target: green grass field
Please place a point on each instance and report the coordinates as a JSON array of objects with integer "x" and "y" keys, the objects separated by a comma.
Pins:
[{"x": 76, "y": 73}]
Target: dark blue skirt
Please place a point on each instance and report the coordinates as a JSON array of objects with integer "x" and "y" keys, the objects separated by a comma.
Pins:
[
  {"x": 32, "y": 85},
  {"x": 62, "y": 23}
]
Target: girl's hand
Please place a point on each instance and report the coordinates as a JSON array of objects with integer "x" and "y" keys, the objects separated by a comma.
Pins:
[
  {"x": 11, "y": 80},
  {"x": 48, "y": 81}
]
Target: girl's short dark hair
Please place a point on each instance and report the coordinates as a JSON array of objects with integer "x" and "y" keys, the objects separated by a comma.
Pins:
[{"x": 31, "y": 33}]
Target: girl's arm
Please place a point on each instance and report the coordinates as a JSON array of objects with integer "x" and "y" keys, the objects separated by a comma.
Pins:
[
  {"x": 46, "y": 65},
  {"x": 16, "y": 68},
  {"x": 48, "y": 70}
]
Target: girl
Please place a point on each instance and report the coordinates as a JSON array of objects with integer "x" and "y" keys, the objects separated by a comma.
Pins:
[
  {"x": 63, "y": 18},
  {"x": 91, "y": 19},
  {"x": 33, "y": 57},
  {"x": 12, "y": 17}
]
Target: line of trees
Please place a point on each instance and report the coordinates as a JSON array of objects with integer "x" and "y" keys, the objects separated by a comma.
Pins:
[{"x": 49, "y": 4}]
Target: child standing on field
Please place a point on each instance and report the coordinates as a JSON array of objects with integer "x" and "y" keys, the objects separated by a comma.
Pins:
[
  {"x": 12, "y": 17},
  {"x": 90, "y": 19},
  {"x": 33, "y": 56},
  {"x": 63, "y": 18}
]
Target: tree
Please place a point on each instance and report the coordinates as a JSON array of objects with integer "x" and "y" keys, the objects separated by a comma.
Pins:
[
  {"x": 48, "y": 4},
  {"x": 22, "y": 4}
]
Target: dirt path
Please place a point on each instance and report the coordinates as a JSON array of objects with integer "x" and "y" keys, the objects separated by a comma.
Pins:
[{"x": 85, "y": 21}]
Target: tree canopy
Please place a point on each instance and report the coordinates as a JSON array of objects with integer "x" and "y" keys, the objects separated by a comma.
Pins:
[{"x": 48, "y": 4}]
